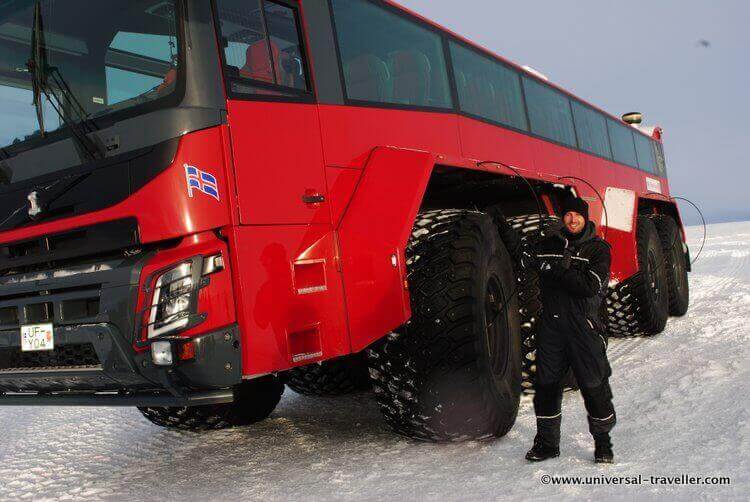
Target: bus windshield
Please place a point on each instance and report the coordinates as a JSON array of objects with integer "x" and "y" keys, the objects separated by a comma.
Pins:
[{"x": 64, "y": 63}]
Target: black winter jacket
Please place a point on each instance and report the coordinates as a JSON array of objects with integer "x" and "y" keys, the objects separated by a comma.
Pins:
[{"x": 574, "y": 275}]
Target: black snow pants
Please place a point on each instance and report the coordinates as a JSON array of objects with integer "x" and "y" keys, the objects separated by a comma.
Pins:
[{"x": 566, "y": 340}]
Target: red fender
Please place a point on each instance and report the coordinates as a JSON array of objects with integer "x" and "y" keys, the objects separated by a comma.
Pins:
[{"x": 373, "y": 235}]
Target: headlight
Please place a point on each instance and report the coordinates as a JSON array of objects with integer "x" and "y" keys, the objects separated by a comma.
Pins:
[
  {"x": 176, "y": 295},
  {"x": 173, "y": 296}
]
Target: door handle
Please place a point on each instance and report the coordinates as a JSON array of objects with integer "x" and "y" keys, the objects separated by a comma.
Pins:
[{"x": 313, "y": 198}]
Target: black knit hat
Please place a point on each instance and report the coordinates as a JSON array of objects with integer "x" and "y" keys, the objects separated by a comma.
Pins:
[{"x": 577, "y": 205}]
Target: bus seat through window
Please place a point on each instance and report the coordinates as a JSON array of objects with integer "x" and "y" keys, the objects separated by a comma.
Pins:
[
  {"x": 483, "y": 96},
  {"x": 411, "y": 77},
  {"x": 368, "y": 78},
  {"x": 258, "y": 64}
]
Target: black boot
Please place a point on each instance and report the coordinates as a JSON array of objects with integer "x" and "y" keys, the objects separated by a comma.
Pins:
[
  {"x": 547, "y": 403},
  {"x": 603, "y": 449},
  {"x": 541, "y": 451}
]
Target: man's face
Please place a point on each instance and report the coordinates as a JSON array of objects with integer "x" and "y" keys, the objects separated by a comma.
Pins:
[{"x": 574, "y": 222}]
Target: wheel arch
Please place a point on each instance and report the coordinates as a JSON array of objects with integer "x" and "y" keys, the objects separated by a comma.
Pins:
[
  {"x": 376, "y": 222},
  {"x": 455, "y": 187},
  {"x": 667, "y": 207}
]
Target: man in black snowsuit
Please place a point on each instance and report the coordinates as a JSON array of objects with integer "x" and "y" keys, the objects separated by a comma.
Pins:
[{"x": 574, "y": 265}]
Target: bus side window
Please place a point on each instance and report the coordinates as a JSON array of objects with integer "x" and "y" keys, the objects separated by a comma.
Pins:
[
  {"x": 550, "y": 113},
  {"x": 388, "y": 58},
  {"x": 645, "y": 153},
  {"x": 591, "y": 127},
  {"x": 283, "y": 31},
  {"x": 487, "y": 88},
  {"x": 623, "y": 145},
  {"x": 262, "y": 43},
  {"x": 661, "y": 163}
]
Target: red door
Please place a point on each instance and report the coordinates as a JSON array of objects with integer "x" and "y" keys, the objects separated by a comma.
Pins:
[
  {"x": 278, "y": 163},
  {"x": 290, "y": 302}
]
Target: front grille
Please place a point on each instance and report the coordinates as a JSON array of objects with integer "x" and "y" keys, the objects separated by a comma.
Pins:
[
  {"x": 39, "y": 312},
  {"x": 72, "y": 356},
  {"x": 69, "y": 248},
  {"x": 58, "y": 306},
  {"x": 9, "y": 316}
]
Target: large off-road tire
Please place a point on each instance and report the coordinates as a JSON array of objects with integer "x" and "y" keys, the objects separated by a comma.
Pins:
[
  {"x": 254, "y": 401},
  {"x": 639, "y": 306},
  {"x": 331, "y": 378},
  {"x": 675, "y": 260},
  {"x": 453, "y": 372},
  {"x": 530, "y": 297}
]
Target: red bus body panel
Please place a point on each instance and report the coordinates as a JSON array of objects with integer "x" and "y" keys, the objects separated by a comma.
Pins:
[{"x": 289, "y": 296}]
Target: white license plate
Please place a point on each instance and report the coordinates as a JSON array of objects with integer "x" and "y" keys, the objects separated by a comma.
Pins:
[{"x": 37, "y": 337}]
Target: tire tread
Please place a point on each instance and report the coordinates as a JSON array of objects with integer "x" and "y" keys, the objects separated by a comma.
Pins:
[
  {"x": 337, "y": 377},
  {"x": 254, "y": 401},
  {"x": 438, "y": 344}
]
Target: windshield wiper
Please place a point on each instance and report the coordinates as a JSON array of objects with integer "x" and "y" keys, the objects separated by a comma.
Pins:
[
  {"x": 41, "y": 74},
  {"x": 38, "y": 56}
]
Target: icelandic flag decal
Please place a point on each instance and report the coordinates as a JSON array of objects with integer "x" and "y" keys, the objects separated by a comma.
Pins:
[{"x": 201, "y": 181}]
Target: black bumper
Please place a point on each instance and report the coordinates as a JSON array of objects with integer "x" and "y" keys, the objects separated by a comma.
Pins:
[
  {"x": 143, "y": 399},
  {"x": 124, "y": 377},
  {"x": 92, "y": 307}
]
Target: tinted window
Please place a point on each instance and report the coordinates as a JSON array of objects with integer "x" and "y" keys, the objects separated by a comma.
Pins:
[
  {"x": 123, "y": 85},
  {"x": 549, "y": 113},
  {"x": 645, "y": 150},
  {"x": 487, "y": 88},
  {"x": 623, "y": 148},
  {"x": 15, "y": 103},
  {"x": 153, "y": 69},
  {"x": 128, "y": 56},
  {"x": 262, "y": 44},
  {"x": 591, "y": 128},
  {"x": 387, "y": 58}
]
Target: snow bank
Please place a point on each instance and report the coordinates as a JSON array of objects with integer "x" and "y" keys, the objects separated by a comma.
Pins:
[{"x": 680, "y": 397}]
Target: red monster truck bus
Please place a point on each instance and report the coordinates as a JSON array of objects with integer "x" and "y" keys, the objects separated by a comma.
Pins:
[{"x": 204, "y": 201}]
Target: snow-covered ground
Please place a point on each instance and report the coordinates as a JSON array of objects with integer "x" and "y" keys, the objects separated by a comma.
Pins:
[{"x": 681, "y": 400}]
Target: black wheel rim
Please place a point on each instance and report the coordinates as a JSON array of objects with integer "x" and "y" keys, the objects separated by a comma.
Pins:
[{"x": 495, "y": 327}]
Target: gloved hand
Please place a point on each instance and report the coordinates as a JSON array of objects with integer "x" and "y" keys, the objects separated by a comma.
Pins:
[
  {"x": 554, "y": 243},
  {"x": 551, "y": 228},
  {"x": 558, "y": 268},
  {"x": 554, "y": 267}
]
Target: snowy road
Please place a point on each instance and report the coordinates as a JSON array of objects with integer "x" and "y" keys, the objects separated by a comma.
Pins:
[{"x": 681, "y": 400}]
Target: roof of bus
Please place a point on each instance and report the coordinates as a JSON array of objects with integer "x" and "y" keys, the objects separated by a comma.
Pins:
[{"x": 506, "y": 61}]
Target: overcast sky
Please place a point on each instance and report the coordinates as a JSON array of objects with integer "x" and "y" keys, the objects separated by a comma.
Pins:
[{"x": 640, "y": 55}]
